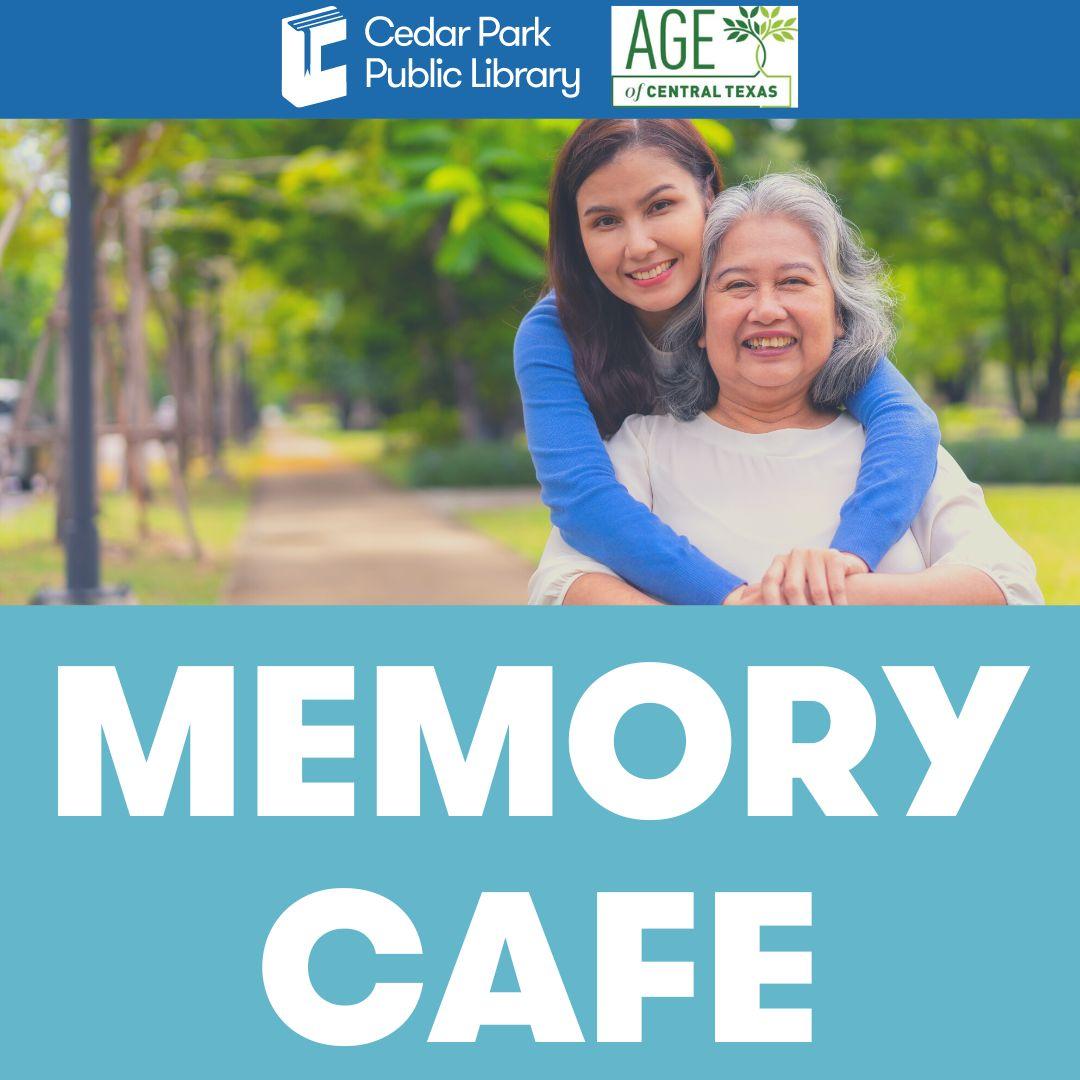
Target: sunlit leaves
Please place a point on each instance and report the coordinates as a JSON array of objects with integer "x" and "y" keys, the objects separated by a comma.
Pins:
[
  {"x": 512, "y": 255},
  {"x": 455, "y": 179},
  {"x": 459, "y": 254},
  {"x": 526, "y": 219},
  {"x": 716, "y": 135},
  {"x": 466, "y": 213}
]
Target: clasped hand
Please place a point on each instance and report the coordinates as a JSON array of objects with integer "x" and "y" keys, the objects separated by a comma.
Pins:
[{"x": 802, "y": 577}]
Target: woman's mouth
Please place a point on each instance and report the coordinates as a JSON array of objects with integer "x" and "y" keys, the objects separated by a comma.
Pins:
[
  {"x": 769, "y": 344},
  {"x": 653, "y": 275}
]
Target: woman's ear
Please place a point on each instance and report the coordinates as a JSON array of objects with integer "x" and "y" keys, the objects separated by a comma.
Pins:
[{"x": 701, "y": 341}]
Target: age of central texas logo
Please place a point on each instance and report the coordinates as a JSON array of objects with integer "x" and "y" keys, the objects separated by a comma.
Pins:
[
  {"x": 304, "y": 81},
  {"x": 666, "y": 56}
]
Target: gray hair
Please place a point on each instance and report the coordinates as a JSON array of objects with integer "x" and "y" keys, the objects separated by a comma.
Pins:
[{"x": 864, "y": 303}]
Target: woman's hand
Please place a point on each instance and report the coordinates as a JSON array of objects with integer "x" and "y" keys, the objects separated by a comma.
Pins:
[
  {"x": 810, "y": 576},
  {"x": 744, "y": 596}
]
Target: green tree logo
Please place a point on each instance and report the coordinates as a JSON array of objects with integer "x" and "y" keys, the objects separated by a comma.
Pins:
[{"x": 770, "y": 25}]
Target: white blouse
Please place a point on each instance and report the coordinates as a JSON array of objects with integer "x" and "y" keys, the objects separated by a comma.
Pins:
[{"x": 743, "y": 499}]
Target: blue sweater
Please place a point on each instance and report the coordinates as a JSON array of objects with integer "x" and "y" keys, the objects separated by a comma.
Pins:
[{"x": 599, "y": 517}]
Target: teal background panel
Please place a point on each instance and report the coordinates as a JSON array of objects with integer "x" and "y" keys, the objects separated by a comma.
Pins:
[{"x": 940, "y": 946}]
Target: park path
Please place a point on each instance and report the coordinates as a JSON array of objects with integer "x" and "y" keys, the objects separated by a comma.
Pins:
[{"x": 324, "y": 531}]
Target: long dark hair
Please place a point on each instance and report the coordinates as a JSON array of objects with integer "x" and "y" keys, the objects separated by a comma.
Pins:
[{"x": 612, "y": 363}]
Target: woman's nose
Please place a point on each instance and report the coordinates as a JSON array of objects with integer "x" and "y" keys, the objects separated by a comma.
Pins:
[
  {"x": 639, "y": 242},
  {"x": 768, "y": 307}
]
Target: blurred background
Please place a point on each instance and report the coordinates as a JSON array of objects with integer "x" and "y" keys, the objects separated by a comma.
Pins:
[{"x": 304, "y": 386}]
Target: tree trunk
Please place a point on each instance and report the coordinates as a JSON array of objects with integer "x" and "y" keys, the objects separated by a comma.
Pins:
[
  {"x": 136, "y": 363},
  {"x": 1050, "y": 396},
  {"x": 956, "y": 387},
  {"x": 464, "y": 377},
  {"x": 110, "y": 340},
  {"x": 180, "y": 494},
  {"x": 176, "y": 368},
  {"x": 218, "y": 402},
  {"x": 61, "y": 471},
  {"x": 344, "y": 403},
  {"x": 25, "y": 407},
  {"x": 202, "y": 380},
  {"x": 246, "y": 418},
  {"x": 187, "y": 412},
  {"x": 468, "y": 406},
  {"x": 1021, "y": 352}
]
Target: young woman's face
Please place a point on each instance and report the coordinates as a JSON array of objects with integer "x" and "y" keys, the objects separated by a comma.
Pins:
[
  {"x": 641, "y": 219},
  {"x": 770, "y": 311}
]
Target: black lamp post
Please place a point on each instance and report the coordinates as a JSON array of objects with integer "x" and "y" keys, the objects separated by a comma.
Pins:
[{"x": 83, "y": 549}]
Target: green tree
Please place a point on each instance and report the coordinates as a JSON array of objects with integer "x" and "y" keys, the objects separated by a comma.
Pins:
[{"x": 996, "y": 198}]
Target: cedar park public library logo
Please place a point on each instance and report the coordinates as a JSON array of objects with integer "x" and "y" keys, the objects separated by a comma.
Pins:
[
  {"x": 304, "y": 81},
  {"x": 742, "y": 57}
]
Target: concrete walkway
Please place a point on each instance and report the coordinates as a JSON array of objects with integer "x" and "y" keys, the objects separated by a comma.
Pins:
[{"x": 323, "y": 531}]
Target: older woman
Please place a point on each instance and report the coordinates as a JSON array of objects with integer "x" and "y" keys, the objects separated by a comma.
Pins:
[{"x": 752, "y": 457}]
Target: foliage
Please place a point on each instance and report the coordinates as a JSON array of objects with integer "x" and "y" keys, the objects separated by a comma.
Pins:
[
  {"x": 980, "y": 220},
  {"x": 1036, "y": 457},
  {"x": 963, "y": 422},
  {"x": 487, "y": 464},
  {"x": 429, "y": 426},
  {"x": 388, "y": 263}
]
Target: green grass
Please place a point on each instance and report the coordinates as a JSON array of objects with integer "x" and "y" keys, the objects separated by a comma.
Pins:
[
  {"x": 522, "y": 529},
  {"x": 1043, "y": 520},
  {"x": 158, "y": 569}
]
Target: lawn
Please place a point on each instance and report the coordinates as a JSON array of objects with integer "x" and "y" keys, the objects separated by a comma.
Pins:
[
  {"x": 158, "y": 568},
  {"x": 1044, "y": 520}
]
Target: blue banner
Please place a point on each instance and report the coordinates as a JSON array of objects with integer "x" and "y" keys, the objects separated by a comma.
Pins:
[
  {"x": 251, "y": 58},
  {"x": 902, "y": 937}
]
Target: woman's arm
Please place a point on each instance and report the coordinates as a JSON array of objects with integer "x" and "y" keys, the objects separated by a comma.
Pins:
[
  {"x": 955, "y": 531},
  {"x": 565, "y": 575},
  {"x": 604, "y": 589},
  {"x": 594, "y": 512},
  {"x": 944, "y": 584},
  {"x": 970, "y": 559},
  {"x": 898, "y": 465}
]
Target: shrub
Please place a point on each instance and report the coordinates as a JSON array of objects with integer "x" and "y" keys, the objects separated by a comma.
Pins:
[
  {"x": 1036, "y": 457},
  {"x": 488, "y": 464},
  {"x": 429, "y": 425}
]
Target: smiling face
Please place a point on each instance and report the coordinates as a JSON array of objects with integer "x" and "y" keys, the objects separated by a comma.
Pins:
[
  {"x": 641, "y": 219},
  {"x": 770, "y": 312}
]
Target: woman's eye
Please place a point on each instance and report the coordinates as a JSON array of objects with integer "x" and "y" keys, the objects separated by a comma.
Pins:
[
  {"x": 794, "y": 281},
  {"x": 604, "y": 222},
  {"x": 736, "y": 285},
  {"x": 660, "y": 204}
]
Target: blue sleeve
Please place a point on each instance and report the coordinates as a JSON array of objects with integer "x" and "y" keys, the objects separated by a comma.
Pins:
[
  {"x": 898, "y": 464},
  {"x": 594, "y": 512}
]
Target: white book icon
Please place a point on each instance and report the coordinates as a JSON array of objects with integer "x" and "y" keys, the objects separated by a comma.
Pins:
[{"x": 303, "y": 80}]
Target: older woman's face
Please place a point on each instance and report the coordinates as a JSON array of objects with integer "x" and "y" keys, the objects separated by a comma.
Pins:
[{"x": 770, "y": 312}]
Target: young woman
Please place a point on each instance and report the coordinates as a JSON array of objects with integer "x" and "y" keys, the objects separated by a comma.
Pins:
[{"x": 628, "y": 204}]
